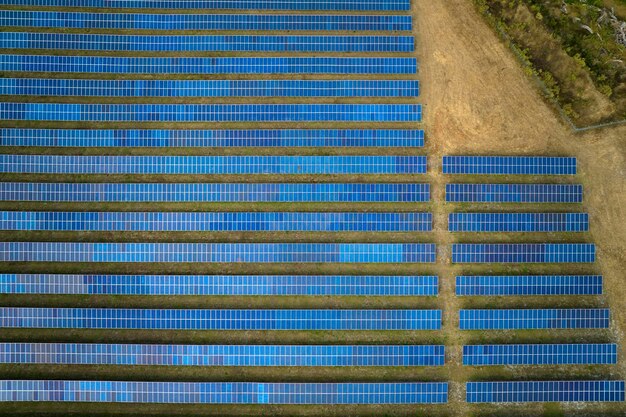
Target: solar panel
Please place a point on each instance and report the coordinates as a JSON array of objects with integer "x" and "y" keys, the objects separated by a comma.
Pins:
[
  {"x": 218, "y": 192},
  {"x": 122, "y": 138},
  {"x": 518, "y": 222},
  {"x": 224, "y": 392},
  {"x": 142, "y": 21},
  {"x": 524, "y": 253},
  {"x": 258, "y": 285},
  {"x": 66, "y": 112},
  {"x": 206, "y": 65},
  {"x": 545, "y": 391},
  {"x": 514, "y": 193},
  {"x": 500, "y": 285},
  {"x": 205, "y": 43},
  {"x": 581, "y": 318},
  {"x": 216, "y": 221},
  {"x": 182, "y": 319},
  {"x": 387, "y": 5},
  {"x": 208, "y": 88},
  {"x": 221, "y": 355},
  {"x": 212, "y": 165},
  {"x": 567, "y": 354},
  {"x": 218, "y": 252},
  {"x": 509, "y": 165}
]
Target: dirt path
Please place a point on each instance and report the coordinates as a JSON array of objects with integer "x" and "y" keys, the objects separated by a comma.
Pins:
[{"x": 478, "y": 100}]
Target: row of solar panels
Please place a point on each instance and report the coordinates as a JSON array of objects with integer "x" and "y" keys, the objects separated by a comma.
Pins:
[
  {"x": 279, "y": 138},
  {"x": 261, "y": 164},
  {"x": 206, "y": 43},
  {"x": 523, "y": 253},
  {"x": 219, "y": 252},
  {"x": 514, "y": 193},
  {"x": 184, "y": 319},
  {"x": 214, "y": 165},
  {"x": 206, "y": 164},
  {"x": 307, "y": 393},
  {"x": 294, "y": 252},
  {"x": 214, "y": 192},
  {"x": 224, "y": 392},
  {"x": 286, "y": 192},
  {"x": 303, "y": 355},
  {"x": 289, "y": 221},
  {"x": 66, "y": 112},
  {"x": 509, "y": 165},
  {"x": 213, "y": 221},
  {"x": 143, "y": 21},
  {"x": 206, "y": 65},
  {"x": 518, "y": 222},
  {"x": 236, "y": 355},
  {"x": 309, "y": 285},
  {"x": 208, "y": 88},
  {"x": 360, "y": 5}
]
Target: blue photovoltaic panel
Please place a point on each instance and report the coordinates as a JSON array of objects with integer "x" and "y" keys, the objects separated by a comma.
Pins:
[
  {"x": 524, "y": 253},
  {"x": 211, "y": 165},
  {"x": 221, "y": 355},
  {"x": 568, "y": 354},
  {"x": 181, "y": 319},
  {"x": 216, "y": 222},
  {"x": 206, "y": 65},
  {"x": 310, "y": 285},
  {"x": 387, "y": 5},
  {"x": 218, "y": 252},
  {"x": 212, "y": 138},
  {"x": 218, "y": 192},
  {"x": 224, "y": 392},
  {"x": 514, "y": 193},
  {"x": 518, "y": 222},
  {"x": 509, "y": 165},
  {"x": 208, "y": 88},
  {"x": 141, "y": 21},
  {"x": 205, "y": 43},
  {"x": 545, "y": 391},
  {"x": 503, "y": 285},
  {"x": 583, "y": 318},
  {"x": 65, "y": 112}
]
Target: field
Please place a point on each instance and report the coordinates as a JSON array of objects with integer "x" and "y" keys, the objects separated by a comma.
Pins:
[{"x": 477, "y": 100}]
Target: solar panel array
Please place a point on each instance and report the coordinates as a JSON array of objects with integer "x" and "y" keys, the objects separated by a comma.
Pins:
[
  {"x": 569, "y": 354},
  {"x": 518, "y": 222},
  {"x": 205, "y": 43},
  {"x": 71, "y": 112},
  {"x": 214, "y": 165},
  {"x": 544, "y": 391},
  {"x": 224, "y": 392},
  {"x": 208, "y": 88},
  {"x": 524, "y": 253},
  {"x": 122, "y": 138},
  {"x": 280, "y": 285},
  {"x": 512, "y": 285},
  {"x": 221, "y": 355},
  {"x": 514, "y": 193},
  {"x": 218, "y": 252},
  {"x": 509, "y": 165},
  {"x": 360, "y": 5},
  {"x": 217, "y": 192},
  {"x": 583, "y": 318},
  {"x": 183, "y": 319},
  {"x": 206, "y": 65},
  {"x": 216, "y": 221},
  {"x": 141, "y": 21}
]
